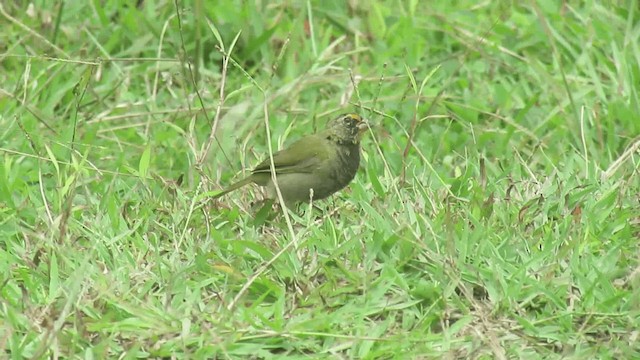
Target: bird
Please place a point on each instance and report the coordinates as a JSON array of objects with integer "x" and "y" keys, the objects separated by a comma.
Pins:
[{"x": 315, "y": 166}]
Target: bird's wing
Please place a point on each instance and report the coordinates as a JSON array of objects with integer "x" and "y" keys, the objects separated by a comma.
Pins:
[{"x": 303, "y": 156}]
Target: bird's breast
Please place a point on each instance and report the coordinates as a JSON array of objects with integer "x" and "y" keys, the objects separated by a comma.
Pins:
[{"x": 346, "y": 166}]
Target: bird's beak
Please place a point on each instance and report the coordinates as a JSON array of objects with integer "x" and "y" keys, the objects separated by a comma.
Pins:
[{"x": 363, "y": 126}]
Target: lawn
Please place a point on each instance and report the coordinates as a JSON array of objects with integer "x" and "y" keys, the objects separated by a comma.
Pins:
[{"x": 495, "y": 214}]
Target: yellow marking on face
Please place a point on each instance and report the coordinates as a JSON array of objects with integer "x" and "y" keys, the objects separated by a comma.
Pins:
[{"x": 355, "y": 117}]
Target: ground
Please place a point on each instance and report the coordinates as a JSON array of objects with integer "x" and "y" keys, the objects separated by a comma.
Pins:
[{"x": 495, "y": 214}]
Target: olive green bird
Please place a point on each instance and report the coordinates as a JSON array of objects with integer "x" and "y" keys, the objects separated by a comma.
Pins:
[{"x": 313, "y": 167}]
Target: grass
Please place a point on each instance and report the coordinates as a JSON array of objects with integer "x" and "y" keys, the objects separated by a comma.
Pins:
[{"x": 495, "y": 215}]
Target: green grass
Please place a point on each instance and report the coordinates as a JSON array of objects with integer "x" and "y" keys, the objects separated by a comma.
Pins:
[{"x": 496, "y": 213}]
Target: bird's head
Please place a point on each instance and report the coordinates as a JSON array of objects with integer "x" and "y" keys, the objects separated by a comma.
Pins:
[{"x": 347, "y": 128}]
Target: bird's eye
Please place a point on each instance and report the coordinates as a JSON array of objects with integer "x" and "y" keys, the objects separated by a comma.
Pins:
[{"x": 350, "y": 118}]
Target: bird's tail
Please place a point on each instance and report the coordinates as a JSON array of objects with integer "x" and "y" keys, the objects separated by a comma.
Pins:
[{"x": 232, "y": 187}]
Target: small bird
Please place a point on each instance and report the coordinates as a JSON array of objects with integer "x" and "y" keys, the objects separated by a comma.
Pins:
[{"x": 313, "y": 167}]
